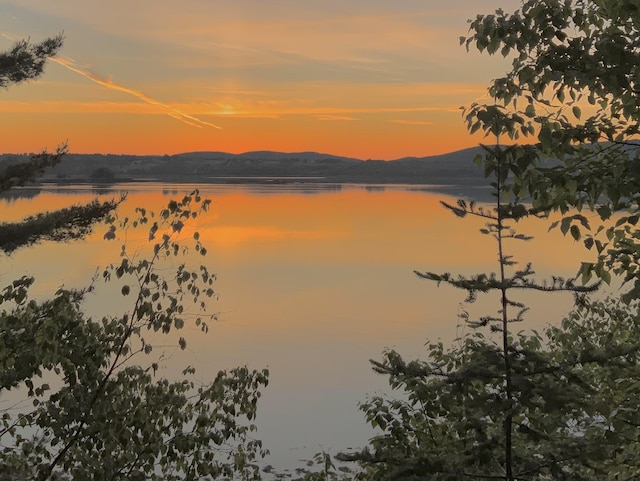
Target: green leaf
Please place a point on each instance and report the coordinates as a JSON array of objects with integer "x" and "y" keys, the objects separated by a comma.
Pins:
[
  {"x": 576, "y": 111},
  {"x": 530, "y": 111}
]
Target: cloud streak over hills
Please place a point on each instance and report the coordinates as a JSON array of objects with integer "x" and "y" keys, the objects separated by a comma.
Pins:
[{"x": 108, "y": 83}]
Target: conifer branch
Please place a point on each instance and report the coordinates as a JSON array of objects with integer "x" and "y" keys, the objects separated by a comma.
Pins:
[
  {"x": 62, "y": 225},
  {"x": 21, "y": 172}
]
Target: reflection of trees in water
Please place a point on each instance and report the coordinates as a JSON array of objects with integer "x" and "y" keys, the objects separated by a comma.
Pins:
[
  {"x": 461, "y": 191},
  {"x": 301, "y": 188},
  {"x": 18, "y": 193},
  {"x": 375, "y": 188},
  {"x": 319, "y": 189},
  {"x": 31, "y": 192},
  {"x": 102, "y": 188}
]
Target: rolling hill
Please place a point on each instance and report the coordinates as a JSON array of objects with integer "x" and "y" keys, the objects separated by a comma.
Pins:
[{"x": 454, "y": 170}]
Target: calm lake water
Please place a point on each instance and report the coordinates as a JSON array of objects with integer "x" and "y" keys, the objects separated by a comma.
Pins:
[{"x": 313, "y": 281}]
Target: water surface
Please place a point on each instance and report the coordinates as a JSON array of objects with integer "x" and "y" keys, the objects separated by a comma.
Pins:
[{"x": 313, "y": 281}]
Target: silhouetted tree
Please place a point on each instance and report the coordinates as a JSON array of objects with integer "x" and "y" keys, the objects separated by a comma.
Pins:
[
  {"x": 25, "y": 61},
  {"x": 559, "y": 405},
  {"x": 573, "y": 92}
]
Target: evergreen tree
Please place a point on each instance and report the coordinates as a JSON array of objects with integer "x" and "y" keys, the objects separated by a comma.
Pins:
[
  {"x": 25, "y": 61},
  {"x": 506, "y": 405},
  {"x": 572, "y": 93},
  {"x": 561, "y": 405}
]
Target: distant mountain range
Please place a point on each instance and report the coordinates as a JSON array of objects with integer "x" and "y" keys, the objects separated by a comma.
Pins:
[{"x": 453, "y": 172}]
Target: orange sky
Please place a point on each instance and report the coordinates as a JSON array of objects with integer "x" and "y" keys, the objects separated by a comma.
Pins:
[{"x": 368, "y": 79}]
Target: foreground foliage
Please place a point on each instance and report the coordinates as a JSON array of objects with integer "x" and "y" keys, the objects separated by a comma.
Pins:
[
  {"x": 98, "y": 414},
  {"x": 574, "y": 407},
  {"x": 561, "y": 405},
  {"x": 572, "y": 93},
  {"x": 91, "y": 405},
  {"x": 506, "y": 405}
]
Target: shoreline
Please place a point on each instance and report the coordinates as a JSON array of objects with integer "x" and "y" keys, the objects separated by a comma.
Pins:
[{"x": 470, "y": 191}]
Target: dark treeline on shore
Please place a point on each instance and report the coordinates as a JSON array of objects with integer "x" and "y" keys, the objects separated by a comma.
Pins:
[{"x": 442, "y": 171}]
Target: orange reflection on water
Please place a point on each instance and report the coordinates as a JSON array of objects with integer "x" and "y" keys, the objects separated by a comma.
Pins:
[
  {"x": 356, "y": 225},
  {"x": 342, "y": 226},
  {"x": 300, "y": 265},
  {"x": 312, "y": 282}
]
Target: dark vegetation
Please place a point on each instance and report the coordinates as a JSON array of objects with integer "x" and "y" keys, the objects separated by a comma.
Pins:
[
  {"x": 506, "y": 402},
  {"x": 449, "y": 171}
]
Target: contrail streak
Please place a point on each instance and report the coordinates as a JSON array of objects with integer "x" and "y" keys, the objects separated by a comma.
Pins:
[{"x": 172, "y": 112}]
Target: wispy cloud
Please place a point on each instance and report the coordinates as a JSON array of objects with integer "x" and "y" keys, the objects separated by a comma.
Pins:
[
  {"x": 241, "y": 111},
  {"x": 108, "y": 83},
  {"x": 321, "y": 113},
  {"x": 411, "y": 122},
  {"x": 335, "y": 117}
]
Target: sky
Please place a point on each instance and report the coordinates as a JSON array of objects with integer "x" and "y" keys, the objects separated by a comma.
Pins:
[{"x": 371, "y": 79}]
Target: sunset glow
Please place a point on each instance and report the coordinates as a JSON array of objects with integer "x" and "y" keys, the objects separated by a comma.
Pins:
[{"x": 363, "y": 79}]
